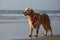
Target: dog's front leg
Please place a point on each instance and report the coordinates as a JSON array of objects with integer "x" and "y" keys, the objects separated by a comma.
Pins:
[
  {"x": 31, "y": 31},
  {"x": 37, "y": 31}
]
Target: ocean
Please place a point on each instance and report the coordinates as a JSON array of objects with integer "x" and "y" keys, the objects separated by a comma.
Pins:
[{"x": 14, "y": 25}]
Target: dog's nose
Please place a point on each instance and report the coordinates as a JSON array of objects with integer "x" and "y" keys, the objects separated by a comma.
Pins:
[{"x": 24, "y": 12}]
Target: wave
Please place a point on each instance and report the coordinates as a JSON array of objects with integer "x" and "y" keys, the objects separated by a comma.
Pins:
[
  {"x": 23, "y": 15},
  {"x": 17, "y": 18},
  {"x": 11, "y": 14}
]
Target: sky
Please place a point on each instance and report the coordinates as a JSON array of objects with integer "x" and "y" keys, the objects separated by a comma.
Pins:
[{"x": 34, "y": 4}]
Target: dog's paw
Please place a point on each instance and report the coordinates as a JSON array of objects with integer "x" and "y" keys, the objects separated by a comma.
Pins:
[
  {"x": 45, "y": 34},
  {"x": 36, "y": 35},
  {"x": 30, "y": 35},
  {"x": 51, "y": 35}
]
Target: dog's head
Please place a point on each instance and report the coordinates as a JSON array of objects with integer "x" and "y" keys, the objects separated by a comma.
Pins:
[{"x": 27, "y": 11}]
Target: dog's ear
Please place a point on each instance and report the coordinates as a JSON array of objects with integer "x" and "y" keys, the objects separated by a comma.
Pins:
[{"x": 31, "y": 11}]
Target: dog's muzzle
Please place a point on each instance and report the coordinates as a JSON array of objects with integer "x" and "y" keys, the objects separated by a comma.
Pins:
[{"x": 25, "y": 13}]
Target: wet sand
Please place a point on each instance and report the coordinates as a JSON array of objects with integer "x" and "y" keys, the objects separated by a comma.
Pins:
[{"x": 54, "y": 37}]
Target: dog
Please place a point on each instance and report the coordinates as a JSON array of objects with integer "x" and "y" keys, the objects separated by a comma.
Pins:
[{"x": 36, "y": 19}]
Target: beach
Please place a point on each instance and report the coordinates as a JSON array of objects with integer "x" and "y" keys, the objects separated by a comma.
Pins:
[
  {"x": 16, "y": 27},
  {"x": 14, "y": 24}
]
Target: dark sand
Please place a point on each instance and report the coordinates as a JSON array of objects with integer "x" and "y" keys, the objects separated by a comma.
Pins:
[{"x": 55, "y": 37}]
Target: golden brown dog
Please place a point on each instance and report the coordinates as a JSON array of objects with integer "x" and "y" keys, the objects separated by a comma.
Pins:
[{"x": 36, "y": 19}]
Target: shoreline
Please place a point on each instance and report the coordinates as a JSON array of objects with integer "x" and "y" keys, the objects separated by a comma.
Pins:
[{"x": 54, "y": 37}]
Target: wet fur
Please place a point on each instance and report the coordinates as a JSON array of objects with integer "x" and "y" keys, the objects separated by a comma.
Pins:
[{"x": 43, "y": 19}]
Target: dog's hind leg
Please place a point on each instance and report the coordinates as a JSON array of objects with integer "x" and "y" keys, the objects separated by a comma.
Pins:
[
  {"x": 51, "y": 33},
  {"x": 50, "y": 29},
  {"x": 46, "y": 33},
  {"x": 45, "y": 27}
]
